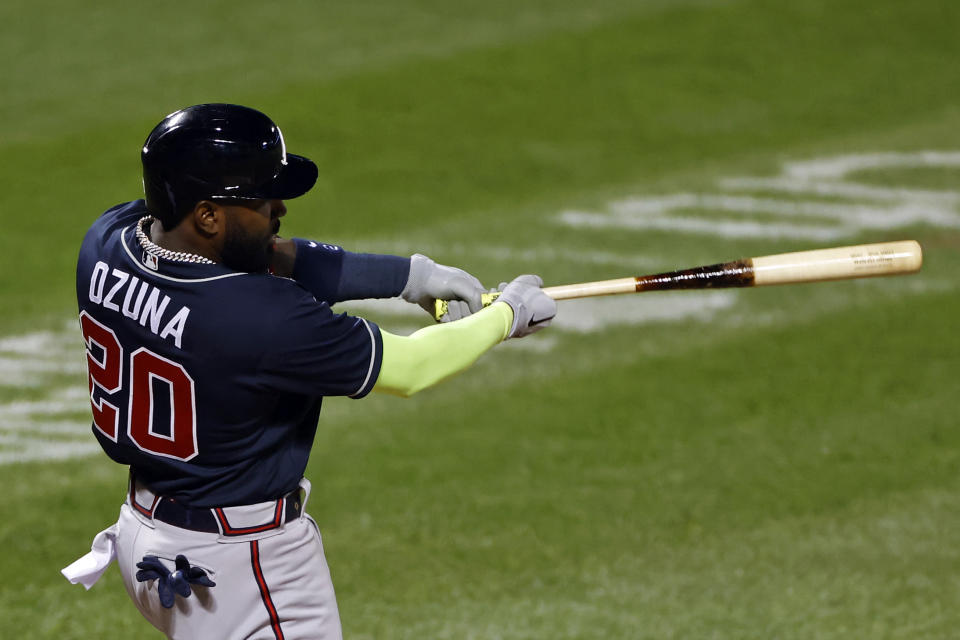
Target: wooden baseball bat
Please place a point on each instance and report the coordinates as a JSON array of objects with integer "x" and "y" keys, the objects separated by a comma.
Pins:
[{"x": 818, "y": 265}]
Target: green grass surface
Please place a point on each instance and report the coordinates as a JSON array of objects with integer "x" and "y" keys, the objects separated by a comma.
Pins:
[{"x": 785, "y": 466}]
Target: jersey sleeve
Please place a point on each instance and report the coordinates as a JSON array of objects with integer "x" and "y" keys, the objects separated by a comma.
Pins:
[{"x": 313, "y": 351}]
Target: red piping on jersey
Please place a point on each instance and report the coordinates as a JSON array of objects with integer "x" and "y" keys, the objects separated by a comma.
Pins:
[
  {"x": 264, "y": 590},
  {"x": 230, "y": 531}
]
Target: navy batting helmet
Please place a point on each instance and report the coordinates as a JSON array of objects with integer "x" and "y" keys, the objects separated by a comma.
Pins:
[{"x": 218, "y": 151}]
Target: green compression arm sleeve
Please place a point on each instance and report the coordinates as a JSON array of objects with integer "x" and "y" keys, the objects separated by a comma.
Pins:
[{"x": 413, "y": 363}]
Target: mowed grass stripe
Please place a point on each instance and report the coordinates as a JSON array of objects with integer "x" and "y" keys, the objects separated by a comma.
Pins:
[{"x": 129, "y": 60}]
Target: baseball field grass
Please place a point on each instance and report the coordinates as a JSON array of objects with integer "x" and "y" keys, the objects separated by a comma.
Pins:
[{"x": 766, "y": 463}]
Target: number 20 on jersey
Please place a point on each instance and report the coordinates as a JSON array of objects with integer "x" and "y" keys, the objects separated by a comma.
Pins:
[{"x": 109, "y": 388}]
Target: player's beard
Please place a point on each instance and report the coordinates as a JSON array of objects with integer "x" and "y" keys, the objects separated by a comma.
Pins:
[{"x": 243, "y": 251}]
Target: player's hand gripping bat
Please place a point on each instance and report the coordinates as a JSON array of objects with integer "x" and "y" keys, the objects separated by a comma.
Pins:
[{"x": 838, "y": 263}]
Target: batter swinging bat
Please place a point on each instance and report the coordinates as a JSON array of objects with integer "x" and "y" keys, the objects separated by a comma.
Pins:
[{"x": 838, "y": 263}]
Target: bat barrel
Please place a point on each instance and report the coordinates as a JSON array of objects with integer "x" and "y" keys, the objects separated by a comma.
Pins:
[{"x": 839, "y": 263}]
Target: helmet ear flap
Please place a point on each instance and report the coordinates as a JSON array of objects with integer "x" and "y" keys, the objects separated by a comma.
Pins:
[
  {"x": 159, "y": 201},
  {"x": 163, "y": 202}
]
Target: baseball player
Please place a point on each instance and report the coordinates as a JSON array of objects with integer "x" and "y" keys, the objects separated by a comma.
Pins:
[{"x": 210, "y": 347}]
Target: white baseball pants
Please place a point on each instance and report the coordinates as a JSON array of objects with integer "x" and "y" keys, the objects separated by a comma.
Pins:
[{"x": 270, "y": 586}]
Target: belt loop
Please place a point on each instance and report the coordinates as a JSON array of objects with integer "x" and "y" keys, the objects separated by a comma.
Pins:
[{"x": 146, "y": 512}]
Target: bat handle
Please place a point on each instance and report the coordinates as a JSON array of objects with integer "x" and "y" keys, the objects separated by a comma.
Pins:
[{"x": 441, "y": 307}]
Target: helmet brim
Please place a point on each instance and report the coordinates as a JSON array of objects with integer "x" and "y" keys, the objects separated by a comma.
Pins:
[{"x": 295, "y": 178}]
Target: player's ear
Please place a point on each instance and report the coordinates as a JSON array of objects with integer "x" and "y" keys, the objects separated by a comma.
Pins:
[{"x": 208, "y": 218}]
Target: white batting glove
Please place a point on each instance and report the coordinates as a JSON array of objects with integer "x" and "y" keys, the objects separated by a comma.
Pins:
[
  {"x": 429, "y": 281},
  {"x": 532, "y": 308}
]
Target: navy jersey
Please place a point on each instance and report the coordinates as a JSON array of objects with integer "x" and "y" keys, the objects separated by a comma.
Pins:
[{"x": 208, "y": 382}]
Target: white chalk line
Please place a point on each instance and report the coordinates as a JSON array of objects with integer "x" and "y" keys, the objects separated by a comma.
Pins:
[
  {"x": 842, "y": 189},
  {"x": 597, "y": 314},
  {"x": 838, "y": 167},
  {"x": 22, "y": 365},
  {"x": 726, "y": 228},
  {"x": 19, "y": 450},
  {"x": 43, "y": 344},
  {"x": 885, "y": 208},
  {"x": 27, "y": 360},
  {"x": 46, "y": 428},
  {"x": 53, "y": 427},
  {"x": 21, "y": 408},
  {"x": 29, "y": 373},
  {"x": 853, "y": 215},
  {"x": 538, "y": 343}
]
